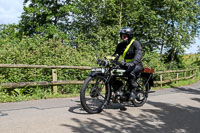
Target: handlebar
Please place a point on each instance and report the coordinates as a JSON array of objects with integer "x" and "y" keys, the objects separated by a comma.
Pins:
[
  {"x": 109, "y": 60},
  {"x": 102, "y": 62}
]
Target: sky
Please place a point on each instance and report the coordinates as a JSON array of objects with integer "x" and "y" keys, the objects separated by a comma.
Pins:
[{"x": 11, "y": 10}]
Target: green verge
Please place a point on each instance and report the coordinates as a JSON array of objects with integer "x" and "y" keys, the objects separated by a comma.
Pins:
[
  {"x": 178, "y": 84},
  {"x": 43, "y": 95}
]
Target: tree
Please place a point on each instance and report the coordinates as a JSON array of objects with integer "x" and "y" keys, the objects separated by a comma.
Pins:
[
  {"x": 164, "y": 25},
  {"x": 45, "y": 16},
  {"x": 9, "y": 32},
  {"x": 198, "y": 50}
]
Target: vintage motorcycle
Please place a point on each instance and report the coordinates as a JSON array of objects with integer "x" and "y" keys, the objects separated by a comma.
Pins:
[{"x": 97, "y": 91}]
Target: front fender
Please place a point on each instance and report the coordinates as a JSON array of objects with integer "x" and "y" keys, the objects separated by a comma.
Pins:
[{"x": 93, "y": 74}]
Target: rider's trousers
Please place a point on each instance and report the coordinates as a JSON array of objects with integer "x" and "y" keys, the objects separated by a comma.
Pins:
[{"x": 132, "y": 77}]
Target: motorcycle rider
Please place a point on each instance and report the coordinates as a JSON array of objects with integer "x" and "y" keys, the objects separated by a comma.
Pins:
[{"x": 131, "y": 51}]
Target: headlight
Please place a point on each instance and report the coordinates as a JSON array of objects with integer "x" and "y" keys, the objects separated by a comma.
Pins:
[{"x": 102, "y": 70}]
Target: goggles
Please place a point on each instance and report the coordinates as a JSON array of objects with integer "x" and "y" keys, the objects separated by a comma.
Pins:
[{"x": 124, "y": 30}]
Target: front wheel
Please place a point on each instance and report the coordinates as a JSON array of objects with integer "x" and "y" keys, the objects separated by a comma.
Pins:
[
  {"x": 95, "y": 93},
  {"x": 141, "y": 92}
]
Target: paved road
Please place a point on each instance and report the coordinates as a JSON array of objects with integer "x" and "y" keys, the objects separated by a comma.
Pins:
[{"x": 174, "y": 110}]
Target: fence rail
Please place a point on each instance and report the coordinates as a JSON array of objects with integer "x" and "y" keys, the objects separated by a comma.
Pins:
[
  {"x": 43, "y": 66},
  {"x": 187, "y": 74},
  {"x": 192, "y": 73}
]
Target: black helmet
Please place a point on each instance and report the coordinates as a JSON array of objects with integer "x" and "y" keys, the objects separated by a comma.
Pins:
[{"x": 128, "y": 31}]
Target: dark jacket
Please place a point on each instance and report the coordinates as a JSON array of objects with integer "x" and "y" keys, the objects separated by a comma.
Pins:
[{"x": 134, "y": 52}]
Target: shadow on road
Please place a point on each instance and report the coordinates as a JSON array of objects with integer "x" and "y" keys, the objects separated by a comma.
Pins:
[
  {"x": 165, "y": 118},
  {"x": 3, "y": 114},
  {"x": 196, "y": 99},
  {"x": 187, "y": 90},
  {"x": 192, "y": 89},
  {"x": 31, "y": 107},
  {"x": 79, "y": 110}
]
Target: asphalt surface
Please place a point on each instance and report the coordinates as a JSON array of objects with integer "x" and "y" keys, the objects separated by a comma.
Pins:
[{"x": 174, "y": 110}]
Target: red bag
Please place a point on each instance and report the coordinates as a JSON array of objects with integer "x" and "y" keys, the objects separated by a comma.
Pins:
[{"x": 148, "y": 70}]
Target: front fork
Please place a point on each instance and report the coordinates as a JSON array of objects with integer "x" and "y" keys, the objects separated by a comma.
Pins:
[{"x": 95, "y": 90}]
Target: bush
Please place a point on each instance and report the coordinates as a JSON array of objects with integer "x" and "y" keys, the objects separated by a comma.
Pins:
[
  {"x": 153, "y": 60},
  {"x": 42, "y": 51}
]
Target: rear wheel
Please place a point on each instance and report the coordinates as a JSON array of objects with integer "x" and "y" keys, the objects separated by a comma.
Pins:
[
  {"x": 95, "y": 93},
  {"x": 142, "y": 92}
]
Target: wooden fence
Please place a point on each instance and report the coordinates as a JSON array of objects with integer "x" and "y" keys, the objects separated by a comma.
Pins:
[
  {"x": 176, "y": 75},
  {"x": 180, "y": 75}
]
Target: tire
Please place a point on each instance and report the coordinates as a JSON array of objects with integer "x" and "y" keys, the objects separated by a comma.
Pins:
[
  {"x": 95, "y": 94},
  {"x": 141, "y": 93}
]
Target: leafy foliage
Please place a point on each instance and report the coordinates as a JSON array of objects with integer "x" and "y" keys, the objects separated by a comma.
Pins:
[
  {"x": 41, "y": 51},
  {"x": 75, "y": 32},
  {"x": 162, "y": 25}
]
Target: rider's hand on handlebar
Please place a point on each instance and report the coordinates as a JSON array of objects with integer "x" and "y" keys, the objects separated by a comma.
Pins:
[
  {"x": 112, "y": 61},
  {"x": 121, "y": 63},
  {"x": 102, "y": 62}
]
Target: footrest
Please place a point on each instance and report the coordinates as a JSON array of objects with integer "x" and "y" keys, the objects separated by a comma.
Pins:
[{"x": 151, "y": 91}]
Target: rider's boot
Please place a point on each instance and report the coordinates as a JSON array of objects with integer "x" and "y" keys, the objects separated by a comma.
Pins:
[
  {"x": 132, "y": 95},
  {"x": 132, "y": 89}
]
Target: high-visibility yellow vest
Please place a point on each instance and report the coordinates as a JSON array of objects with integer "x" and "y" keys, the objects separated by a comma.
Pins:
[{"x": 125, "y": 51}]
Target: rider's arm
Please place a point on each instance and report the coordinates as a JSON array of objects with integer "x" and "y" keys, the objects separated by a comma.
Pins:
[
  {"x": 137, "y": 57},
  {"x": 138, "y": 53},
  {"x": 118, "y": 50}
]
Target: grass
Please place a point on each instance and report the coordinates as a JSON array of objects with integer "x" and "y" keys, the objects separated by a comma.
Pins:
[
  {"x": 191, "y": 59},
  {"x": 6, "y": 98},
  {"x": 178, "y": 84}
]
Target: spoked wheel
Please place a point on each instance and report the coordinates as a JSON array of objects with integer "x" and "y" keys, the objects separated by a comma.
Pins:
[
  {"x": 141, "y": 93},
  {"x": 95, "y": 93}
]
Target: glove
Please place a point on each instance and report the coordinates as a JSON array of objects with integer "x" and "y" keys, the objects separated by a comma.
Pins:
[
  {"x": 122, "y": 64},
  {"x": 99, "y": 61},
  {"x": 129, "y": 67}
]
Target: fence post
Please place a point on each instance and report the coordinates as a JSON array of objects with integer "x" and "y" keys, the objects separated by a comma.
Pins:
[
  {"x": 193, "y": 72},
  {"x": 196, "y": 72},
  {"x": 55, "y": 78},
  {"x": 199, "y": 71},
  {"x": 177, "y": 77},
  {"x": 185, "y": 74},
  {"x": 161, "y": 79}
]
